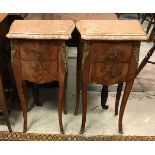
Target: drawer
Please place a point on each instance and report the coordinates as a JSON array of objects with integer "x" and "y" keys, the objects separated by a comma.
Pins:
[
  {"x": 109, "y": 73},
  {"x": 38, "y": 50},
  {"x": 111, "y": 51},
  {"x": 39, "y": 72}
]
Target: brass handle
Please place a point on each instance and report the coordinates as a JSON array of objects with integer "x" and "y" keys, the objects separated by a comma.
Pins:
[{"x": 111, "y": 55}]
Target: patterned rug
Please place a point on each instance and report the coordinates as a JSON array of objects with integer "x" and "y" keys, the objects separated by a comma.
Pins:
[{"x": 18, "y": 136}]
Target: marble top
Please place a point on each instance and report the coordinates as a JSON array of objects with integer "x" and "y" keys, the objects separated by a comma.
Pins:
[
  {"x": 111, "y": 30},
  {"x": 41, "y": 29}
]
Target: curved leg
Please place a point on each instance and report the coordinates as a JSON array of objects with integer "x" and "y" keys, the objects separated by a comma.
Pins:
[
  {"x": 25, "y": 94},
  {"x": 60, "y": 104},
  {"x": 104, "y": 96},
  {"x": 127, "y": 91},
  {"x": 78, "y": 79},
  {"x": 19, "y": 84},
  {"x": 85, "y": 82},
  {"x": 35, "y": 90},
  {"x": 6, "y": 116},
  {"x": 4, "y": 107},
  {"x": 64, "y": 93},
  {"x": 84, "y": 107},
  {"x": 118, "y": 95},
  {"x": 77, "y": 93},
  {"x": 62, "y": 74}
]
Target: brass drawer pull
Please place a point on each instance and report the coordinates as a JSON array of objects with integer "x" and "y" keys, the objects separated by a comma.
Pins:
[{"x": 111, "y": 55}]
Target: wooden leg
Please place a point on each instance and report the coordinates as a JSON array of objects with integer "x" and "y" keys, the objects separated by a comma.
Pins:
[
  {"x": 6, "y": 116},
  {"x": 35, "y": 89},
  {"x": 64, "y": 93},
  {"x": 25, "y": 94},
  {"x": 62, "y": 76},
  {"x": 60, "y": 104},
  {"x": 15, "y": 97},
  {"x": 85, "y": 82},
  {"x": 19, "y": 84},
  {"x": 118, "y": 95},
  {"x": 127, "y": 91},
  {"x": 104, "y": 96},
  {"x": 145, "y": 60},
  {"x": 77, "y": 93},
  {"x": 4, "y": 107},
  {"x": 84, "y": 107},
  {"x": 78, "y": 79}
]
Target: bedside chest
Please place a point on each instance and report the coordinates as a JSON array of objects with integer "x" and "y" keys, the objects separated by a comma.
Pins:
[
  {"x": 39, "y": 56},
  {"x": 110, "y": 53}
]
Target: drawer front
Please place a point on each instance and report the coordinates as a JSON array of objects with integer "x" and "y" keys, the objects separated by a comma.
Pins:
[
  {"x": 109, "y": 73},
  {"x": 39, "y": 72},
  {"x": 31, "y": 51},
  {"x": 111, "y": 51}
]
